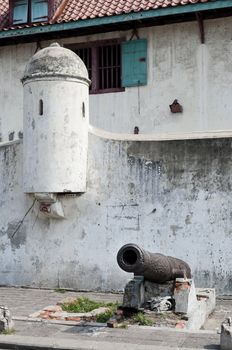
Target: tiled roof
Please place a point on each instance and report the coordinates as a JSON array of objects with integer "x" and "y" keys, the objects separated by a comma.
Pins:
[
  {"x": 73, "y": 10},
  {"x": 4, "y": 10},
  {"x": 83, "y": 9}
]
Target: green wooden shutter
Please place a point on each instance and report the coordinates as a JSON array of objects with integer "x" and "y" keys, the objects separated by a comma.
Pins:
[
  {"x": 39, "y": 10},
  {"x": 134, "y": 62},
  {"x": 20, "y": 11}
]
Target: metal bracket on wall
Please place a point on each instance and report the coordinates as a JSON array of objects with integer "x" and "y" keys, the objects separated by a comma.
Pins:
[
  {"x": 134, "y": 33},
  {"x": 49, "y": 205},
  {"x": 200, "y": 22},
  {"x": 52, "y": 210}
]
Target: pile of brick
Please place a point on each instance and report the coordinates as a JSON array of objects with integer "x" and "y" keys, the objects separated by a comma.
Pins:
[{"x": 55, "y": 312}]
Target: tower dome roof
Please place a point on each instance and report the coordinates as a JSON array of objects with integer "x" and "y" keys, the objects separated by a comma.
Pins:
[{"x": 55, "y": 61}]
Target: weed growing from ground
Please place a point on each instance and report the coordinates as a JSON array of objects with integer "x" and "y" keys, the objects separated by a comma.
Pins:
[
  {"x": 142, "y": 320},
  {"x": 105, "y": 316},
  {"x": 7, "y": 331},
  {"x": 59, "y": 290},
  {"x": 123, "y": 325},
  {"x": 86, "y": 305}
]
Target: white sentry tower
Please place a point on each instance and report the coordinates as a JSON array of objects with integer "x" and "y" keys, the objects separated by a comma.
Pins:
[{"x": 56, "y": 119}]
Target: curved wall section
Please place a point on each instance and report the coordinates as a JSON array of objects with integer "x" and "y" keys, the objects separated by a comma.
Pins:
[{"x": 55, "y": 136}]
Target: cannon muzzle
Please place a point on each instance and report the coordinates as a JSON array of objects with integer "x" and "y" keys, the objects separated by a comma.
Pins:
[{"x": 153, "y": 266}]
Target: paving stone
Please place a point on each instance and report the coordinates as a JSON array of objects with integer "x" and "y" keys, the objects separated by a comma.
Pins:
[
  {"x": 23, "y": 302},
  {"x": 26, "y": 301}
]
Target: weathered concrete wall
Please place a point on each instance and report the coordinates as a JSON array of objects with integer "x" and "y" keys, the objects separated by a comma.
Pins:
[
  {"x": 12, "y": 63},
  {"x": 179, "y": 66},
  {"x": 170, "y": 197}
]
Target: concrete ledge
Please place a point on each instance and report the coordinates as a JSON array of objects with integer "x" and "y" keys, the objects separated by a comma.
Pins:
[
  {"x": 60, "y": 322},
  {"x": 9, "y": 143},
  {"x": 195, "y": 135},
  {"x": 39, "y": 343},
  {"x": 104, "y": 325}
]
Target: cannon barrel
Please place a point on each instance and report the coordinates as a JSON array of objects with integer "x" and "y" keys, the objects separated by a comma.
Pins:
[{"x": 153, "y": 266}]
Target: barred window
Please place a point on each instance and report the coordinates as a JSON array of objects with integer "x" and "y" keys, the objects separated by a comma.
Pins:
[{"x": 103, "y": 61}]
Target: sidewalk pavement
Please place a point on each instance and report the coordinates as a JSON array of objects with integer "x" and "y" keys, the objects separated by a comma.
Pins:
[{"x": 46, "y": 334}]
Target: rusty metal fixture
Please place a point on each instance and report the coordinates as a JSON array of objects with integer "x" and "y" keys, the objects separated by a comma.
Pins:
[
  {"x": 136, "y": 130},
  {"x": 154, "y": 267},
  {"x": 45, "y": 208},
  {"x": 175, "y": 107}
]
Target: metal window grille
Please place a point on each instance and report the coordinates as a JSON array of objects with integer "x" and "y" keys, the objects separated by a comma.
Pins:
[
  {"x": 104, "y": 66},
  {"x": 86, "y": 55},
  {"x": 109, "y": 67}
]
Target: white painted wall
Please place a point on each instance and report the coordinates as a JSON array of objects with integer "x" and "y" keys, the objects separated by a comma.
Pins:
[
  {"x": 55, "y": 143},
  {"x": 169, "y": 197},
  {"x": 12, "y": 63},
  {"x": 179, "y": 66}
]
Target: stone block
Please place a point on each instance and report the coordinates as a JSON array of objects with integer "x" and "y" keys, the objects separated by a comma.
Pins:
[
  {"x": 100, "y": 310},
  {"x": 185, "y": 296},
  {"x": 153, "y": 290},
  {"x": 208, "y": 296},
  {"x": 205, "y": 305},
  {"x": 138, "y": 291},
  {"x": 112, "y": 322},
  {"x": 196, "y": 303},
  {"x": 226, "y": 335},
  {"x": 53, "y": 308},
  {"x": 6, "y": 322},
  {"x": 134, "y": 293}
]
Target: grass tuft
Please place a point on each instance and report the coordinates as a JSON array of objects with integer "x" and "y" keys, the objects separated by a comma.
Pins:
[
  {"x": 86, "y": 305},
  {"x": 60, "y": 290},
  {"x": 123, "y": 325},
  {"x": 142, "y": 320},
  {"x": 105, "y": 316},
  {"x": 8, "y": 331}
]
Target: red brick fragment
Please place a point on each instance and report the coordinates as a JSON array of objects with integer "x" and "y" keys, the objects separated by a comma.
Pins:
[
  {"x": 180, "y": 325},
  {"x": 70, "y": 318}
]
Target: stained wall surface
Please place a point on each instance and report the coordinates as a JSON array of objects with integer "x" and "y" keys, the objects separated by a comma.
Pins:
[
  {"x": 172, "y": 197},
  {"x": 169, "y": 197},
  {"x": 179, "y": 67}
]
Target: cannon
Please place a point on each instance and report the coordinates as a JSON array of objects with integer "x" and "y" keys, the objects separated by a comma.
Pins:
[
  {"x": 153, "y": 267},
  {"x": 162, "y": 283}
]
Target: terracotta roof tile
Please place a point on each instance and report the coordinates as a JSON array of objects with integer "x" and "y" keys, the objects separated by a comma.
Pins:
[{"x": 74, "y": 10}]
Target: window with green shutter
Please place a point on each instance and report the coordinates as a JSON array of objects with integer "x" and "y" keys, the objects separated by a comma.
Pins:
[
  {"x": 134, "y": 63},
  {"x": 103, "y": 61},
  {"x": 114, "y": 64}
]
